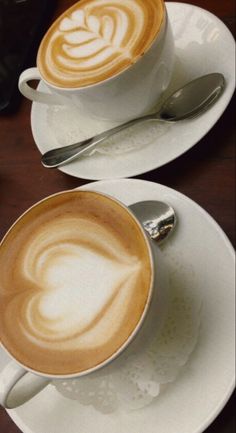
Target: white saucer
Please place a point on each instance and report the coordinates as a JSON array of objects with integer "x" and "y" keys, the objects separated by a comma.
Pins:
[
  {"x": 200, "y": 256},
  {"x": 203, "y": 45}
]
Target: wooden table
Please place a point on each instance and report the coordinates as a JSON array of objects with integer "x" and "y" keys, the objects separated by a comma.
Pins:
[{"x": 206, "y": 174}]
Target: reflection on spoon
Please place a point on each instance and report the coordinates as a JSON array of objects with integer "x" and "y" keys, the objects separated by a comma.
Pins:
[
  {"x": 187, "y": 102},
  {"x": 156, "y": 217}
]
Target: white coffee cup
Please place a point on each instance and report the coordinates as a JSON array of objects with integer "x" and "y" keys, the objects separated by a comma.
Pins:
[
  {"x": 19, "y": 383},
  {"x": 129, "y": 94}
]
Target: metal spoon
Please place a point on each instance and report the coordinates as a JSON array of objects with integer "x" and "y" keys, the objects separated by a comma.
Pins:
[
  {"x": 156, "y": 217},
  {"x": 187, "y": 102}
]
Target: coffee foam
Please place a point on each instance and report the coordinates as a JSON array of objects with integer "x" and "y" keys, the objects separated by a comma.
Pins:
[
  {"x": 96, "y": 39},
  {"x": 78, "y": 286}
]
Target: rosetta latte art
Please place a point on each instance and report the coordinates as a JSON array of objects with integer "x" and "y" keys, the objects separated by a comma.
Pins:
[
  {"x": 96, "y": 39},
  {"x": 71, "y": 290}
]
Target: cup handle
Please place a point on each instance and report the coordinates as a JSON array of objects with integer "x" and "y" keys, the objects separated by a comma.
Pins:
[
  {"x": 34, "y": 94},
  {"x": 17, "y": 386}
]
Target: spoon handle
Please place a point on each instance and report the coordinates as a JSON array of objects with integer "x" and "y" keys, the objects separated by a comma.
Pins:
[{"x": 60, "y": 156}]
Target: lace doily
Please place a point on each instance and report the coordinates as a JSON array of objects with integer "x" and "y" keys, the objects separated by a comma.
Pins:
[
  {"x": 69, "y": 126},
  {"x": 138, "y": 376}
]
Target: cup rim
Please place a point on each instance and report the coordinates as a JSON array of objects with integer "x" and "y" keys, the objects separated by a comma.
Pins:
[
  {"x": 135, "y": 331},
  {"x": 111, "y": 78}
]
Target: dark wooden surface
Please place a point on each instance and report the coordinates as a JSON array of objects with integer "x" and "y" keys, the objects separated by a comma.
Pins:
[{"x": 206, "y": 174}]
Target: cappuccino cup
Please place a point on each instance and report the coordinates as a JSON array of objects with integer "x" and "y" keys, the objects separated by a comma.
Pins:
[
  {"x": 78, "y": 280},
  {"x": 113, "y": 59}
]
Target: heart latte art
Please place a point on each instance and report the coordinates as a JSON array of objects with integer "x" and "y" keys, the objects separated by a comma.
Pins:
[
  {"x": 75, "y": 279},
  {"x": 96, "y": 39}
]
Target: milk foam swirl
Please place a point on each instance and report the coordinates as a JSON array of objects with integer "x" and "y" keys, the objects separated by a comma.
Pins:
[
  {"x": 82, "y": 277},
  {"x": 77, "y": 285},
  {"x": 95, "y": 39}
]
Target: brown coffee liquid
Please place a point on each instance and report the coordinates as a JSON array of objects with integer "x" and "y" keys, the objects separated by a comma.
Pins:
[
  {"x": 96, "y": 39},
  {"x": 75, "y": 274}
]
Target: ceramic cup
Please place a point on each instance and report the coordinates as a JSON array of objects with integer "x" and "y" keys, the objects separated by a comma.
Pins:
[
  {"x": 124, "y": 96},
  {"x": 19, "y": 382}
]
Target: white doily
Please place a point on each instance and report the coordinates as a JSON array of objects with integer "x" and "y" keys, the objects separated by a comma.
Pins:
[
  {"x": 137, "y": 377},
  {"x": 69, "y": 126}
]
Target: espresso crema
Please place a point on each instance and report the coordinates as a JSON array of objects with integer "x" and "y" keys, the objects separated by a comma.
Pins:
[
  {"x": 76, "y": 275},
  {"x": 96, "y": 39}
]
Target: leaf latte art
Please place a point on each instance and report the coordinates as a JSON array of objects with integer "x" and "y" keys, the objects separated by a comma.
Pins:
[
  {"x": 78, "y": 285},
  {"x": 96, "y": 39}
]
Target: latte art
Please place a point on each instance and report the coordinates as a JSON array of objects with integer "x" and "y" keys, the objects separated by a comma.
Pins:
[
  {"x": 96, "y": 39},
  {"x": 70, "y": 263},
  {"x": 78, "y": 286}
]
